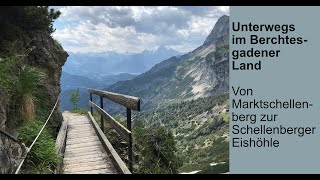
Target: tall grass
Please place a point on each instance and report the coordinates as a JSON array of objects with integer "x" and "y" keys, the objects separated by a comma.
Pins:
[
  {"x": 6, "y": 76},
  {"x": 19, "y": 83},
  {"x": 27, "y": 86}
]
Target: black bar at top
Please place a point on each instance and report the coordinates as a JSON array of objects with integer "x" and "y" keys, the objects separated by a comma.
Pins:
[{"x": 158, "y": 2}]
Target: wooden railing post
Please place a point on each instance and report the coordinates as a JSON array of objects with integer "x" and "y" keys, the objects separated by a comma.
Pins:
[
  {"x": 132, "y": 103},
  {"x": 130, "y": 158},
  {"x": 91, "y": 110},
  {"x": 101, "y": 117}
]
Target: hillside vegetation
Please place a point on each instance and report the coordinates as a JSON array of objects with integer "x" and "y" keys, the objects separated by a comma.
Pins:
[{"x": 200, "y": 129}]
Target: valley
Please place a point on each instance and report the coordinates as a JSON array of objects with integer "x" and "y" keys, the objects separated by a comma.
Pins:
[{"x": 70, "y": 83}]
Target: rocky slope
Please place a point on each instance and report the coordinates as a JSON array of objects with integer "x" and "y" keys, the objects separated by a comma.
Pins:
[
  {"x": 45, "y": 54},
  {"x": 220, "y": 29}
]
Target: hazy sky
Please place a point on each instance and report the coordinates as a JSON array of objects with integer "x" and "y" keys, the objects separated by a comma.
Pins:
[{"x": 135, "y": 28}]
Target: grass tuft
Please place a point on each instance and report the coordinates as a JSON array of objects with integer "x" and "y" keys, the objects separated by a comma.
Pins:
[{"x": 28, "y": 108}]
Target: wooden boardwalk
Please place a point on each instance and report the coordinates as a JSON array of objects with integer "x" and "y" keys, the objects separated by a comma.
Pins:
[{"x": 84, "y": 153}]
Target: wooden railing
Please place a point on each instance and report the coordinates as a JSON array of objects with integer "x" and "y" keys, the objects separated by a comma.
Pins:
[{"x": 131, "y": 103}]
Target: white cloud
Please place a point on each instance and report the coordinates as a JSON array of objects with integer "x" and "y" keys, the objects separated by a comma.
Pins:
[
  {"x": 83, "y": 38},
  {"x": 134, "y": 29},
  {"x": 224, "y": 9}
]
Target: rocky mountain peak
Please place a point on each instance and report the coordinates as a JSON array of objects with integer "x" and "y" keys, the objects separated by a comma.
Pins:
[{"x": 220, "y": 29}]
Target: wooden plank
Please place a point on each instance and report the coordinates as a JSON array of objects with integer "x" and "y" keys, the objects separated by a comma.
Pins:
[
  {"x": 125, "y": 100},
  {"x": 85, "y": 157},
  {"x": 81, "y": 150},
  {"x": 61, "y": 138},
  {"x": 86, "y": 168},
  {"x": 81, "y": 153},
  {"x": 120, "y": 165},
  {"x": 79, "y": 135},
  {"x": 100, "y": 171},
  {"x": 89, "y": 138},
  {"x": 80, "y": 145},
  {"x": 77, "y": 138},
  {"x": 85, "y": 164},
  {"x": 81, "y": 142},
  {"x": 60, "y": 144},
  {"x": 74, "y": 162},
  {"x": 82, "y": 133},
  {"x": 78, "y": 123},
  {"x": 123, "y": 131}
]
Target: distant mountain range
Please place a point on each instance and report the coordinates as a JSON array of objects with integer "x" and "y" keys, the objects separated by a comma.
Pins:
[
  {"x": 107, "y": 63},
  {"x": 100, "y": 70},
  {"x": 70, "y": 83}
]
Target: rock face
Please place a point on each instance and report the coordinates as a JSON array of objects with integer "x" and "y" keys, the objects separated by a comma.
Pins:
[
  {"x": 46, "y": 54},
  {"x": 220, "y": 29},
  {"x": 49, "y": 56},
  {"x": 10, "y": 152}
]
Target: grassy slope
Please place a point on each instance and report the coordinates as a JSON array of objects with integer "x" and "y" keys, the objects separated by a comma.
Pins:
[{"x": 201, "y": 131}]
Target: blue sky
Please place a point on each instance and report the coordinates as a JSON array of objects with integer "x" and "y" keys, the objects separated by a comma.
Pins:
[{"x": 133, "y": 29}]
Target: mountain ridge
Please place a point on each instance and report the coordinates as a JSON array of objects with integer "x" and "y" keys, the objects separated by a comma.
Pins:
[
  {"x": 115, "y": 63},
  {"x": 199, "y": 73}
]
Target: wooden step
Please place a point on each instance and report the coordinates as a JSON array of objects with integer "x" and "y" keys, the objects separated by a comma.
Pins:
[
  {"x": 100, "y": 171},
  {"x": 83, "y": 149},
  {"x": 86, "y": 168},
  {"x": 74, "y": 162}
]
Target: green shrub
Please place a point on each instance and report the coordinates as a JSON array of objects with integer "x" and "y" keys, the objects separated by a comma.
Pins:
[
  {"x": 156, "y": 149},
  {"x": 74, "y": 98}
]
